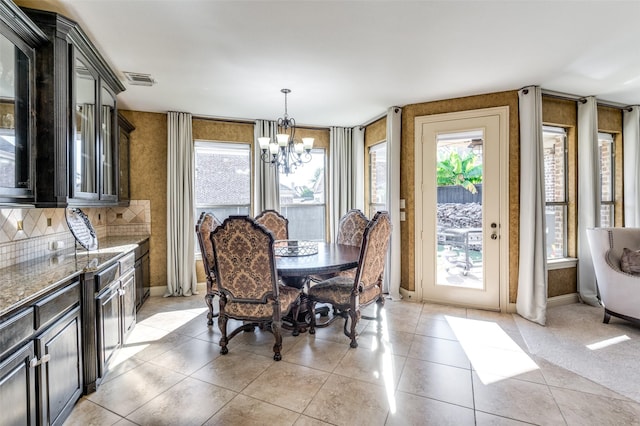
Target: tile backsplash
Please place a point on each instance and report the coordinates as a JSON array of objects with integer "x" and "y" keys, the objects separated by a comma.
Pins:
[{"x": 27, "y": 234}]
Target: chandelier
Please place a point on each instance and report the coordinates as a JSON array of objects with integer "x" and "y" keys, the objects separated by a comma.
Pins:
[{"x": 286, "y": 152}]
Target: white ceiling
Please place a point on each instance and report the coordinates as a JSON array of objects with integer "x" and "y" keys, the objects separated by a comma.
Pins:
[{"x": 346, "y": 62}]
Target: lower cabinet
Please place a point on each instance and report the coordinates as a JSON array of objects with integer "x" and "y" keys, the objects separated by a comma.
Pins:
[
  {"x": 60, "y": 363},
  {"x": 18, "y": 393},
  {"x": 108, "y": 325},
  {"x": 41, "y": 380}
]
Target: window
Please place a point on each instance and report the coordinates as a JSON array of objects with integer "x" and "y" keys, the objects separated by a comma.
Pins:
[
  {"x": 302, "y": 199},
  {"x": 222, "y": 178},
  {"x": 377, "y": 178},
  {"x": 607, "y": 179},
  {"x": 555, "y": 180}
]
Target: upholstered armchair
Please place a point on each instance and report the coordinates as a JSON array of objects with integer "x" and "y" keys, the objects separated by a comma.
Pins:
[
  {"x": 206, "y": 224},
  {"x": 245, "y": 270},
  {"x": 350, "y": 294},
  {"x": 619, "y": 290},
  {"x": 274, "y": 222}
]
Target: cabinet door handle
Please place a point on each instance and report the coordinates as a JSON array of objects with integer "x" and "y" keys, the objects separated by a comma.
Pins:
[
  {"x": 45, "y": 358},
  {"x": 121, "y": 292},
  {"x": 33, "y": 363}
]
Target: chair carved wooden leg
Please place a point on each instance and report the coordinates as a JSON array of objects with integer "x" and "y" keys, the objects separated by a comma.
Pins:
[
  {"x": 209, "y": 300},
  {"x": 295, "y": 311},
  {"x": 222, "y": 323},
  {"x": 277, "y": 347},
  {"x": 311, "y": 307},
  {"x": 607, "y": 317},
  {"x": 354, "y": 314}
]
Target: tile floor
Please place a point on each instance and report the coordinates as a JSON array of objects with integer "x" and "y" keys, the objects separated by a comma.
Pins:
[{"x": 427, "y": 365}]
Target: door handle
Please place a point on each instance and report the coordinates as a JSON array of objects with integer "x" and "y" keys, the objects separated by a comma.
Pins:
[{"x": 494, "y": 236}]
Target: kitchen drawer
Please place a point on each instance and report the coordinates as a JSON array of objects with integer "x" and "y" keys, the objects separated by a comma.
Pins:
[
  {"x": 127, "y": 262},
  {"x": 56, "y": 305},
  {"x": 14, "y": 331},
  {"x": 105, "y": 277}
]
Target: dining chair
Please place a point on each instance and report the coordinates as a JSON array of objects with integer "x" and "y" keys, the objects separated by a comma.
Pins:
[
  {"x": 274, "y": 222},
  {"x": 206, "y": 224},
  {"x": 245, "y": 269},
  {"x": 350, "y": 230},
  {"x": 350, "y": 294}
]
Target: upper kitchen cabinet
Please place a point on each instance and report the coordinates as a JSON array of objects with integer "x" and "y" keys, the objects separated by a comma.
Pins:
[
  {"x": 18, "y": 39},
  {"x": 124, "y": 140},
  {"x": 76, "y": 118}
]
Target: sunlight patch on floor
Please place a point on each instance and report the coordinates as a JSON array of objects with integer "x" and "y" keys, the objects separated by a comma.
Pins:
[
  {"x": 493, "y": 354},
  {"x": 608, "y": 342},
  {"x": 386, "y": 367}
]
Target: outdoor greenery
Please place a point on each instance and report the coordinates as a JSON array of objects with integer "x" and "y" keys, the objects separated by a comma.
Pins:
[{"x": 459, "y": 170}]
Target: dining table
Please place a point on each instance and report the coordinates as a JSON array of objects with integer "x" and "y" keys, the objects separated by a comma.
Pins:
[{"x": 295, "y": 269}]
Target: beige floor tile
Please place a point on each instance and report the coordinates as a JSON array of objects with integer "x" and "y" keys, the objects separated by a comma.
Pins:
[
  {"x": 128, "y": 392},
  {"x": 188, "y": 357},
  {"x": 438, "y": 350},
  {"x": 122, "y": 363},
  {"x": 435, "y": 327},
  {"x": 147, "y": 342},
  {"x": 190, "y": 402},
  {"x": 518, "y": 400},
  {"x": 346, "y": 401},
  {"x": 335, "y": 331},
  {"x": 377, "y": 366},
  {"x": 486, "y": 419},
  {"x": 124, "y": 422},
  {"x": 559, "y": 377},
  {"x": 287, "y": 385},
  {"x": 416, "y": 410},
  {"x": 172, "y": 320},
  {"x": 260, "y": 342},
  {"x": 583, "y": 409},
  {"x": 246, "y": 411},
  {"x": 309, "y": 421},
  {"x": 505, "y": 321},
  {"x": 87, "y": 413},
  {"x": 437, "y": 381},
  {"x": 398, "y": 342},
  {"x": 316, "y": 353},
  {"x": 440, "y": 311},
  {"x": 401, "y": 321},
  {"x": 234, "y": 370}
]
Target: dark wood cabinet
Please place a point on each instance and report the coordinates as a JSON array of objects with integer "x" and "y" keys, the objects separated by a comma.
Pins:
[
  {"x": 76, "y": 114},
  {"x": 41, "y": 377},
  {"x": 18, "y": 393},
  {"x": 143, "y": 273},
  {"x": 19, "y": 38}
]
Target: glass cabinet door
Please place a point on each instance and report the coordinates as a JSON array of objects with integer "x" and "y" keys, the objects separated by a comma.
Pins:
[
  {"x": 84, "y": 177},
  {"x": 15, "y": 162},
  {"x": 108, "y": 145}
]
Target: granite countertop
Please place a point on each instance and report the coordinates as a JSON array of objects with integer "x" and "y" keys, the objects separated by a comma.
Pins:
[{"x": 24, "y": 282}]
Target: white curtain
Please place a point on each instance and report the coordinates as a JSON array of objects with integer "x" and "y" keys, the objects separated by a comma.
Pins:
[
  {"x": 588, "y": 196},
  {"x": 341, "y": 179},
  {"x": 267, "y": 183},
  {"x": 631, "y": 149},
  {"x": 394, "y": 133},
  {"x": 181, "y": 268},
  {"x": 532, "y": 270},
  {"x": 357, "y": 136}
]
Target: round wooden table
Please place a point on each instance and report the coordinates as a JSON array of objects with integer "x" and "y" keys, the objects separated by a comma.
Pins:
[{"x": 331, "y": 258}]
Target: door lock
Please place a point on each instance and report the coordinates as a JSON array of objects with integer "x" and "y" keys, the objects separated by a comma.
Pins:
[{"x": 494, "y": 236}]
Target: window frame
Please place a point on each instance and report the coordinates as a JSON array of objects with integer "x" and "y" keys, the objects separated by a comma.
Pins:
[
  {"x": 565, "y": 203},
  {"x": 324, "y": 204},
  {"x": 373, "y": 206},
  {"x": 612, "y": 176}
]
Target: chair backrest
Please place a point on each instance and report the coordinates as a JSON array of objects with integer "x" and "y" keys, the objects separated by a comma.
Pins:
[
  {"x": 274, "y": 222},
  {"x": 373, "y": 253},
  {"x": 205, "y": 226},
  {"x": 245, "y": 265},
  {"x": 351, "y": 228}
]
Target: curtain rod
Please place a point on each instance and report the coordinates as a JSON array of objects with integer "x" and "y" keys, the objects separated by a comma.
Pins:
[
  {"x": 373, "y": 120},
  {"x": 570, "y": 97}
]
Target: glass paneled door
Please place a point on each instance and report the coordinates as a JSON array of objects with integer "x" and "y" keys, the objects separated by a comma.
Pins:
[{"x": 461, "y": 234}]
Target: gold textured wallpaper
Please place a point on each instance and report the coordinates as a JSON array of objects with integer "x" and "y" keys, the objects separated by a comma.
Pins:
[{"x": 148, "y": 163}]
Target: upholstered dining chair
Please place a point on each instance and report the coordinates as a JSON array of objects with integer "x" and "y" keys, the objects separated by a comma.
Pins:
[
  {"x": 274, "y": 222},
  {"x": 245, "y": 269},
  {"x": 206, "y": 224},
  {"x": 350, "y": 294},
  {"x": 350, "y": 230}
]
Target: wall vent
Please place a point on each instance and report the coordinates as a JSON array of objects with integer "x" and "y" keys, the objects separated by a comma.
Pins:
[{"x": 139, "y": 79}]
